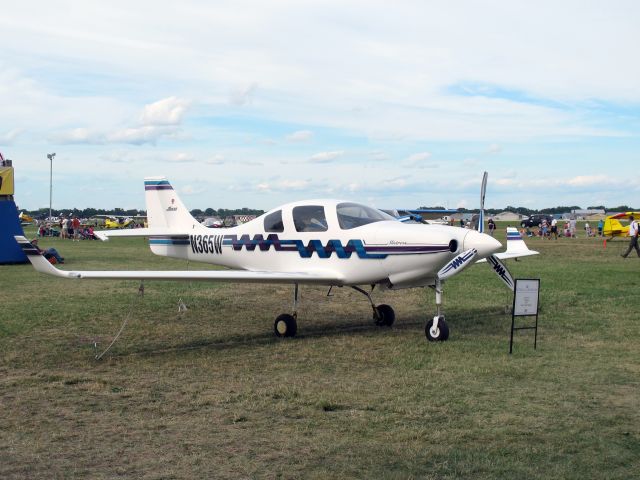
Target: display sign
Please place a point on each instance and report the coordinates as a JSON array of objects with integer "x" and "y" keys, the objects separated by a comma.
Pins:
[
  {"x": 526, "y": 297},
  {"x": 6, "y": 181},
  {"x": 526, "y": 294}
]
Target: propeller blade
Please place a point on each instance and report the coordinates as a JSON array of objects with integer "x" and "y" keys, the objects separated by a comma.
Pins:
[
  {"x": 483, "y": 190},
  {"x": 458, "y": 264},
  {"x": 501, "y": 270}
]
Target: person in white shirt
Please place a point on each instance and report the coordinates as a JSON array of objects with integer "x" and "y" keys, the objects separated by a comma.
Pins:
[
  {"x": 633, "y": 237},
  {"x": 554, "y": 228}
]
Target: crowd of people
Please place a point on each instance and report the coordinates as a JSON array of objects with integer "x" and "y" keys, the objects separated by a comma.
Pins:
[
  {"x": 68, "y": 228},
  {"x": 550, "y": 230}
]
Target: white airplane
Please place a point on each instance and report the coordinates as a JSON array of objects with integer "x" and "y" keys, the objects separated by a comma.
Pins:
[{"x": 318, "y": 242}]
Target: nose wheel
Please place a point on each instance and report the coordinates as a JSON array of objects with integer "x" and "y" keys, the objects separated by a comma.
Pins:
[{"x": 437, "y": 330}]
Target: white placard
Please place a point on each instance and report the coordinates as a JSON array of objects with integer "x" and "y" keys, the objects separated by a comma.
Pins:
[{"x": 526, "y": 297}]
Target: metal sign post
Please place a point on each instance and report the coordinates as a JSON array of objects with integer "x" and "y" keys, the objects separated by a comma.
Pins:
[{"x": 525, "y": 304}]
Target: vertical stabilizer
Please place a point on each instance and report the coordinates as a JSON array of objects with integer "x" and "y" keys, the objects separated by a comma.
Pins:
[{"x": 164, "y": 208}]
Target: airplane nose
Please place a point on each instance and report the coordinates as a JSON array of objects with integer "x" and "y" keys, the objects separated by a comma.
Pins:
[{"x": 485, "y": 244}]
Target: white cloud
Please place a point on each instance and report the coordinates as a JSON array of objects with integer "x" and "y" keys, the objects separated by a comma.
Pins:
[
  {"x": 183, "y": 158},
  {"x": 419, "y": 160},
  {"x": 9, "y": 137},
  {"x": 300, "y": 136},
  {"x": 326, "y": 157},
  {"x": 494, "y": 148},
  {"x": 243, "y": 95},
  {"x": 140, "y": 135},
  {"x": 591, "y": 180},
  {"x": 216, "y": 160},
  {"x": 379, "y": 156},
  {"x": 191, "y": 190},
  {"x": 168, "y": 111}
]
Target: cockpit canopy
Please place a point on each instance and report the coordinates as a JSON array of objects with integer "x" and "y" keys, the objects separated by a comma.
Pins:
[{"x": 320, "y": 216}]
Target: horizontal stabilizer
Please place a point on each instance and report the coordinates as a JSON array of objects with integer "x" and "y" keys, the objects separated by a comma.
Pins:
[
  {"x": 516, "y": 247},
  {"x": 105, "y": 235}
]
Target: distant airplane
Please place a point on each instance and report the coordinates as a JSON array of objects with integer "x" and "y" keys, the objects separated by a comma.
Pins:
[
  {"x": 119, "y": 221},
  {"x": 422, "y": 215},
  {"x": 25, "y": 219},
  {"x": 318, "y": 242},
  {"x": 614, "y": 228}
]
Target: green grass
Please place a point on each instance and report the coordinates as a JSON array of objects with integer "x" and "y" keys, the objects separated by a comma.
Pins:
[{"x": 211, "y": 393}]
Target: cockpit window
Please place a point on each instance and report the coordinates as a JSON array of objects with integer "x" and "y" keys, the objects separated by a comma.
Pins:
[
  {"x": 310, "y": 218},
  {"x": 273, "y": 222},
  {"x": 352, "y": 215}
]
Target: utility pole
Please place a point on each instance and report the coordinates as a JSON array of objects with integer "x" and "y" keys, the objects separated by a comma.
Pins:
[{"x": 50, "y": 157}]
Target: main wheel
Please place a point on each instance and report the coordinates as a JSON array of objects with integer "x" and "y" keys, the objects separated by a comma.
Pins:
[
  {"x": 386, "y": 316},
  {"x": 285, "y": 326},
  {"x": 441, "y": 332}
]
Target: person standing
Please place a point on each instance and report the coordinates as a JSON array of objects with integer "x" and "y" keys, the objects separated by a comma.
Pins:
[
  {"x": 492, "y": 226},
  {"x": 633, "y": 237},
  {"x": 572, "y": 227},
  {"x": 600, "y": 227},
  {"x": 76, "y": 228},
  {"x": 554, "y": 228}
]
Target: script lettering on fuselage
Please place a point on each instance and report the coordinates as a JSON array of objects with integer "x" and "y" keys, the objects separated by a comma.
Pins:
[{"x": 206, "y": 244}]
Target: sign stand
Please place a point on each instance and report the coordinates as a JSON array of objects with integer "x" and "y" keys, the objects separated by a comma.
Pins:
[{"x": 525, "y": 304}]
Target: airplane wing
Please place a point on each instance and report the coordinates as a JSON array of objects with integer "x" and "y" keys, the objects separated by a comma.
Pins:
[{"x": 41, "y": 264}]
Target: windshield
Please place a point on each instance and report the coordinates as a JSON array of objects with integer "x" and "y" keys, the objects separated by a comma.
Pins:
[{"x": 352, "y": 215}]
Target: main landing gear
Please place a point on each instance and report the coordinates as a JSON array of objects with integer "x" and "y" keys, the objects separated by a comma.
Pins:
[
  {"x": 383, "y": 315},
  {"x": 286, "y": 324},
  {"x": 437, "y": 330}
]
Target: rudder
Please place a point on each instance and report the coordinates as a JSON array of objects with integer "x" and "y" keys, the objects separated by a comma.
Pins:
[{"x": 164, "y": 207}]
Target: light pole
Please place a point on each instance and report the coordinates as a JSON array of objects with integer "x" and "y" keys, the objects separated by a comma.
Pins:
[{"x": 50, "y": 157}]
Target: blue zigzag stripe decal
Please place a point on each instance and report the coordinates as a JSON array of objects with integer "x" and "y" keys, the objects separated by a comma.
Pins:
[{"x": 325, "y": 251}]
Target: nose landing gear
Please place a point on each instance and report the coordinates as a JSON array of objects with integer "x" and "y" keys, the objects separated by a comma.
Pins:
[{"x": 437, "y": 330}]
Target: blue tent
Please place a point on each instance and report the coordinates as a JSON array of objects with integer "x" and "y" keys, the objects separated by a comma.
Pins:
[{"x": 10, "y": 251}]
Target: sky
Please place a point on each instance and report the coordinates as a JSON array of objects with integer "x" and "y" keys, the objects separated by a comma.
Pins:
[{"x": 254, "y": 104}]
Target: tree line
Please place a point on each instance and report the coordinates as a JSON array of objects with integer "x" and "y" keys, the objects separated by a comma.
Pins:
[
  {"x": 42, "y": 213},
  {"x": 545, "y": 211}
]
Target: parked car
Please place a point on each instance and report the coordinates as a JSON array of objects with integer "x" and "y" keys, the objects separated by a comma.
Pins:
[{"x": 535, "y": 220}]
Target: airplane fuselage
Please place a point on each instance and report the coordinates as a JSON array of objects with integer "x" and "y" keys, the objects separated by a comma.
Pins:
[{"x": 385, "y": 252}]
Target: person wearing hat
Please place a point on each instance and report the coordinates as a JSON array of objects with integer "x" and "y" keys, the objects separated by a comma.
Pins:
[
  {"x": 633, "y": 237},
  {"x": 48, "y": 253}
]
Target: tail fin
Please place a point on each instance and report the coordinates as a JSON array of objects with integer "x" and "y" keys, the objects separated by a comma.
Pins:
[
  {"x": 515, "y": 245},
  {"x": 164, "y": 208}
]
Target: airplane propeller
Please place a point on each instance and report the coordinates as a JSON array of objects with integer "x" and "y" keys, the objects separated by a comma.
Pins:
[
  {"x": 459, "y": 263},
  {"x": 483, "y": 191}
]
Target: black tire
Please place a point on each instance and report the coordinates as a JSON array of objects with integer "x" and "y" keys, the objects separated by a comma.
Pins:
[
  {"x": 443, "y": 331},
  {"x": 386, "y": 316},
  {"x": 285, "y": 326},
  {"x": 523, "y": 224}
]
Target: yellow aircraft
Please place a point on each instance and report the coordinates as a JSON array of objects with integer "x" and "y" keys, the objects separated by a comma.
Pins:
[
  {"x": 112, "y": 221},
  {"x": 25, "y": 219},
  {"x": 613, "y": 227}
]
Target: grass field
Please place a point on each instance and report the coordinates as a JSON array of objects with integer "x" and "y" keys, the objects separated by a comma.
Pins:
[{"x": 211, "y": 393}]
